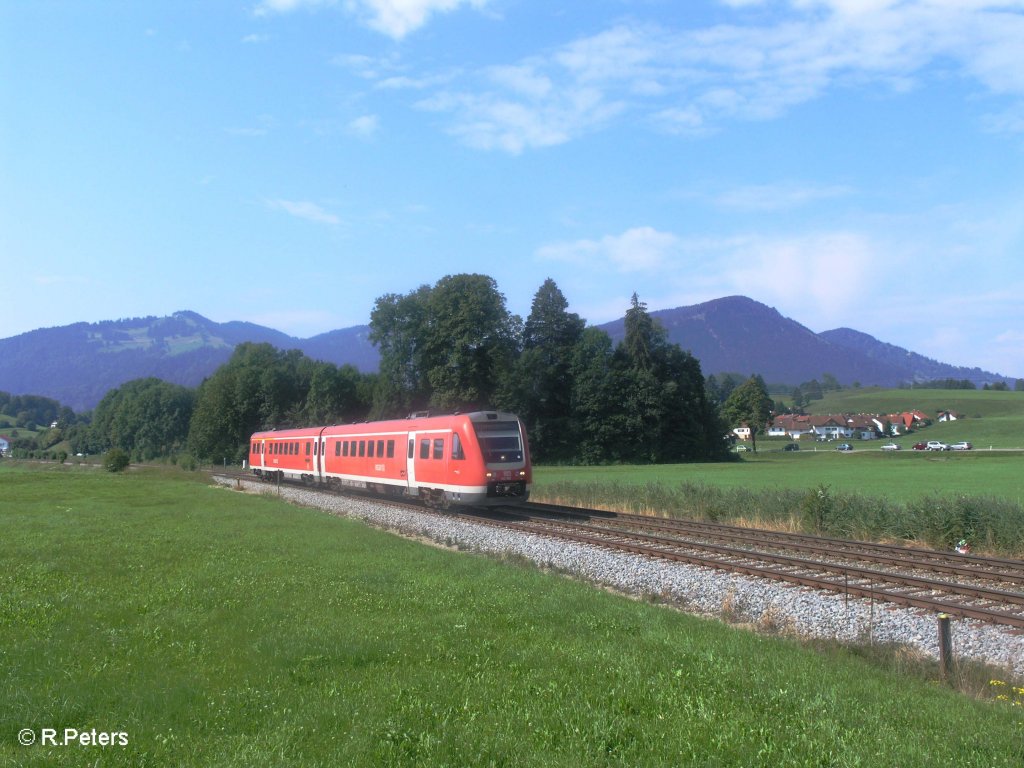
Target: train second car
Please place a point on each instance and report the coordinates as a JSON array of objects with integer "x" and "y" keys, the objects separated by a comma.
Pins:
[{"x": 474, "y": 458}]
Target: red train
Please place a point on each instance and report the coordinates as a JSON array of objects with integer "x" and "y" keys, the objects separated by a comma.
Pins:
[{"x": 471, "y": 458}]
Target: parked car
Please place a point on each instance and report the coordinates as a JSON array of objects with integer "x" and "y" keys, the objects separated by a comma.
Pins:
[
  {"x": 741, "y": 448},
  {"x": 844, "y": 447},
  {"x": 791, "y": 447},
  {"x": 920, "y": 446},
  {"x": 963, "y": 445},
  {"x": 890, "y": 447},
  {"x": 936, "y": 445}
]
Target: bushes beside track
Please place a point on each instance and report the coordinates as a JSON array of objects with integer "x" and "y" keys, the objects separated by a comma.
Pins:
[{"x": 937, "y": 520}]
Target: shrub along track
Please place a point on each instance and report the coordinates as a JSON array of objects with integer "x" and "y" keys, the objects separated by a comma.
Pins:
[{"x": 987, "y": 589}]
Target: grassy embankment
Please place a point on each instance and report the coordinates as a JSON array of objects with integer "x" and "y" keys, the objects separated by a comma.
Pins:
[
  {"x": 934, "y": 499},
  {"x": 217, "y": 629}
]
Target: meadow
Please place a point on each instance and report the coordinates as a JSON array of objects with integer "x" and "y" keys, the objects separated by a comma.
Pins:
[
  {"x": 930, "y": 498},
  {"x": 218, "y": 629}
]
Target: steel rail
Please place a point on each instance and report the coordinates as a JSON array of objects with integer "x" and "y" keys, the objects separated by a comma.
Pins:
[
  {"x": 973, "y": 566},
  {"x": 991, "y": 615}
]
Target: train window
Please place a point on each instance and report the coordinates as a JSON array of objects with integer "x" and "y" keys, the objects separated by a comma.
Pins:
[
  {"x": 337, "y": 447},
  {"x": 425, "y": 448},
  {"x": 362, "y": 447},
  {"x": 412, "y": 448},
  {"x": 369, "y": 448},
  {"x": 457, "y": 452},
  {"x": 439, "y": 448},
  {"x": 500, "y": 442},
  {"x": 391, "y": 449},
  {"x": 316, "y": 448},
  {"x": 344, "y": 447},
  {"x": 380, "y": 447}
]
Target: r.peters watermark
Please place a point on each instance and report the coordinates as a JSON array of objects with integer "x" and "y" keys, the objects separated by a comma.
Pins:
[{"x": 72, "y": 737}]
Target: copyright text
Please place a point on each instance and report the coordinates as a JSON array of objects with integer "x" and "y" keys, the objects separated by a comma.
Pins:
[{"x": 69, "y": 737}]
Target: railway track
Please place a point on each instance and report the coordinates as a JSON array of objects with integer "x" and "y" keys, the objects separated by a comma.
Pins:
[{"x": 986, "y": 589}]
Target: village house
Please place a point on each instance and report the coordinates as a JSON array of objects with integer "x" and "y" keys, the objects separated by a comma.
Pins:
[
  {"x": 830, "y": 427},
  {"x": 5, "y": 445}
]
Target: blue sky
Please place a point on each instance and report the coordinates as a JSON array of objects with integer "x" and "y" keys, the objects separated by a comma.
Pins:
[{"x": 849, "y": 162}]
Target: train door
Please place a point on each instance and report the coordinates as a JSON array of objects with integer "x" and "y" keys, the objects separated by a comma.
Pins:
[
  {"x": 320, "y": 458},
  {"x": 410, "y": 465}
]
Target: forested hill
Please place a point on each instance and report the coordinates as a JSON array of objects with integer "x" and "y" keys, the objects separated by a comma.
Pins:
[
  {"x": 739, "y": 335},
  {"x": 78, "y": 364}
]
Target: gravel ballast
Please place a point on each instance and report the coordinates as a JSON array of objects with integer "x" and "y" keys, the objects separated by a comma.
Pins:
[{"x": 765, "y": 604}]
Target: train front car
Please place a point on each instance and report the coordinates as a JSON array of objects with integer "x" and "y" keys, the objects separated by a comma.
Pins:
[{"x": 504, "y": 454}]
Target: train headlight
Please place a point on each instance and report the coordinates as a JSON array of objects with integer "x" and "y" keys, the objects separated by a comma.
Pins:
[
  {"x": 489, "y": 475},
  {"x": 522, "y": 473}
]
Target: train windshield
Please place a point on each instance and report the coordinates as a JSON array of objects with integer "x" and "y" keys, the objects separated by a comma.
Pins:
[{"x": 499, "y": 441}]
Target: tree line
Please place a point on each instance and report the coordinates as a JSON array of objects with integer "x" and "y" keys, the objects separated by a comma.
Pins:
[{"x": 452, "y": 346}]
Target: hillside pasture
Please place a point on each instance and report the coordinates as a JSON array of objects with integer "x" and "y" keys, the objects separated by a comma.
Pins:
[{"x": 973, "y": 403}]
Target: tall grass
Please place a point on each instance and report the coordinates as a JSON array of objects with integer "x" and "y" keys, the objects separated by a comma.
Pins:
[{"x": 936, "y": 520}]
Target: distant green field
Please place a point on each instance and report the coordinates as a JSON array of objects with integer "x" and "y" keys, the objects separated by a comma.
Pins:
[
  {"x": 990, "y": 418},
  {"x": 216, "y": 629},
  {"x": 973, "y": 403},
  {"x": 933, "y": 499},
  {"x": 901, "y": 476}
]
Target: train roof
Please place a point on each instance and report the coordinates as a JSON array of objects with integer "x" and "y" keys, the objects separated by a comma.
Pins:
[{"x": 412, "y": 422}]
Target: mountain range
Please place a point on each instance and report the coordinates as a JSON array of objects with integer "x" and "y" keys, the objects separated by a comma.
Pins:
[{"x": 78, "y": 364}]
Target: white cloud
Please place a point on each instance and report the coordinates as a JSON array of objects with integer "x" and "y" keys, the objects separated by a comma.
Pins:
[
  {"x": 691, "y": 81},
  {"x": 364, "y": 126},
  {"x": 269, "y": 7},
  {"x": 303, "y": 209},
  {"x": 397, "y": 18},
  {"x": 394, "y": 18},
  {"x": 642, "y": 249},
  {"x": 780, "y": 196}
]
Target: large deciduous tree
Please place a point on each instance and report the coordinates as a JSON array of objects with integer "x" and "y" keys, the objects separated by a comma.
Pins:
[
  {"x": 749, "y": 404},
  {"x": 145, "y": 418},
  {"x": 448, "y": 347},
  {"x": 261, "y": 387}
]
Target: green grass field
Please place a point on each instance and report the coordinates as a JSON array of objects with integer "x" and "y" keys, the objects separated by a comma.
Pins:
[
  {"x": 972, "y": 403},
  {"x": 933, "y": 499},
  {"x": 930, "y": 498},
  {"x": 989, "y": 418},
  {"x": 900, "y": 475},
  {"x": 217, "y": 629}
]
